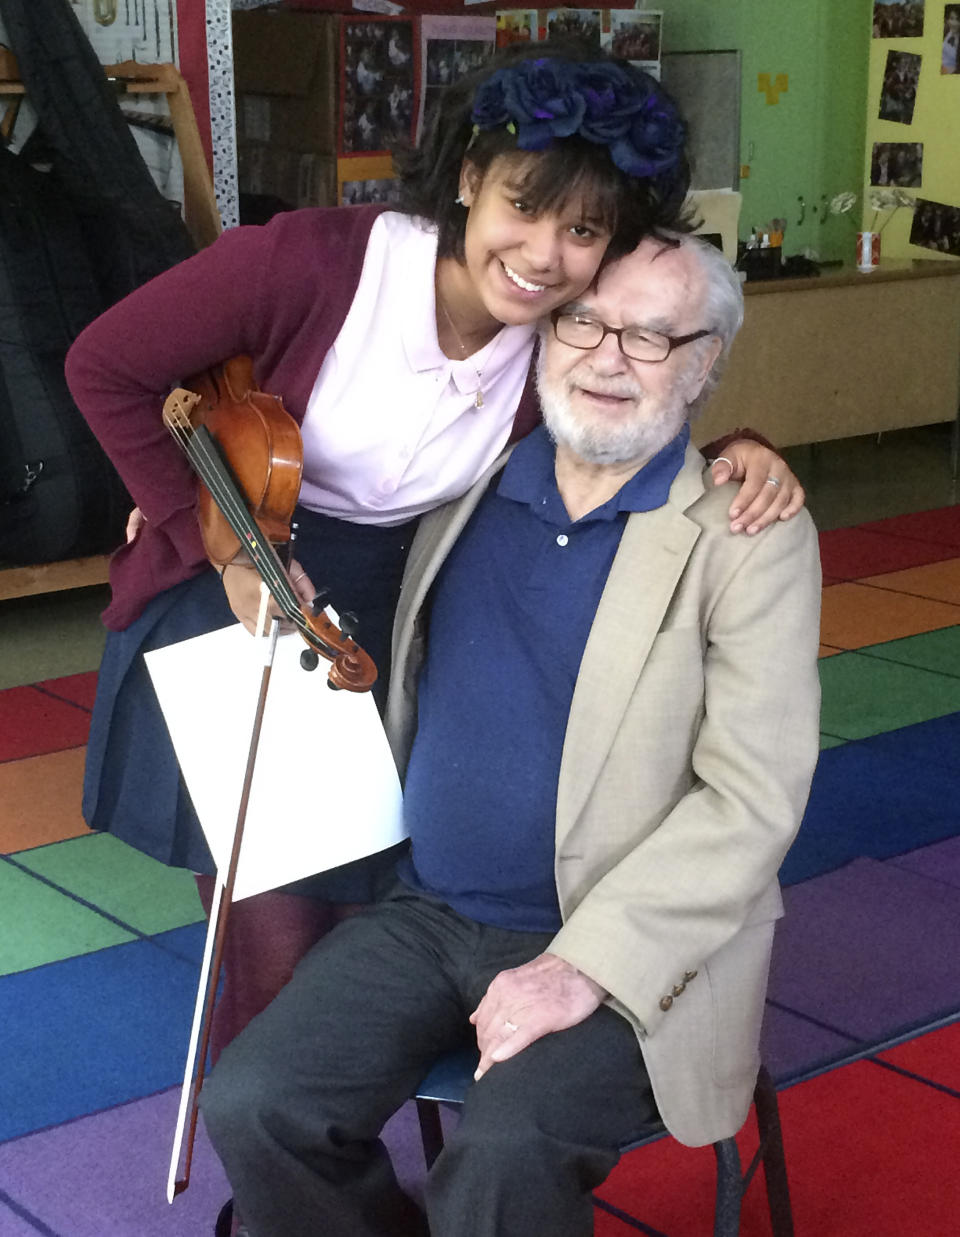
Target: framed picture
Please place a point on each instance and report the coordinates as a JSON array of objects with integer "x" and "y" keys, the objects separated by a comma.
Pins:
[
  {"x": 635, "y": 36},
  {"x": 936, "y": 226},
  {"x": 898, "y": 95},
  {"x": 451, "y": 47},
  {"x": 897, "y": 163},
  {"x": 897, "y": 19},
  {"x": 517, "y": 26},
  {"x": 378, "y": 74},
  {"x": 580, "y": 23}
]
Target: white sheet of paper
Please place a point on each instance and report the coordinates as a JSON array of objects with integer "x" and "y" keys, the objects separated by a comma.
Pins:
[{"x": 325, "y": 789}]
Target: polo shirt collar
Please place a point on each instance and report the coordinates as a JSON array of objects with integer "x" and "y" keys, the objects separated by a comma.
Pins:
[{"x": 529, "y": 478}]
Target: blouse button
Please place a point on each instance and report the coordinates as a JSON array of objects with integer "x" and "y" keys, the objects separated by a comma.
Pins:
[{"x": 562, "y": 539}]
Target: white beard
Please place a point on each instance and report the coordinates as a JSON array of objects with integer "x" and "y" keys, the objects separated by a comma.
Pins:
[{"x": 639, "y": 436}]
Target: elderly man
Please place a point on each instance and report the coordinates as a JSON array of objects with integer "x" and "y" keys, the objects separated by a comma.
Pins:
[{"x": 605, "y": 705}]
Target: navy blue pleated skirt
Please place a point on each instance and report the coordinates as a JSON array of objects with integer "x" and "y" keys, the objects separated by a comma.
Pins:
[{"x": 132, "y": 784}]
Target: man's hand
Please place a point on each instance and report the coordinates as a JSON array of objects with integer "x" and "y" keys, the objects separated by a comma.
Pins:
[
  {"x": 546, "y": 994},
  {"x": 770, "y": 491}
]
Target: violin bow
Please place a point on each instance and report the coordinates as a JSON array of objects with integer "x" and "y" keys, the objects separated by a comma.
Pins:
[{"x": 195, "y": 1071}]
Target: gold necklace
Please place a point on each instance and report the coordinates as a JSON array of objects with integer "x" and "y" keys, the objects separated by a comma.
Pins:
[{"x": 478, "y": 401}]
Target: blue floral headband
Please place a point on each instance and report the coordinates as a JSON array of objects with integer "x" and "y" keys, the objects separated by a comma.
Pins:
[{"x": 540, "y": 100}]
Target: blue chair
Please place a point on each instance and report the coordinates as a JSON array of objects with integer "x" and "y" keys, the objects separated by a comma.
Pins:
[{"x": 451, "y": 1075}]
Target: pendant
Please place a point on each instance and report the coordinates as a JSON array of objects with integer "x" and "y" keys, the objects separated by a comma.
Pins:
[{"x": 478, "y": 402}]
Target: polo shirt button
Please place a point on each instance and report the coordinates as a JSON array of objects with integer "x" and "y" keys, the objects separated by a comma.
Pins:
[{"x": 562, "y": 539}]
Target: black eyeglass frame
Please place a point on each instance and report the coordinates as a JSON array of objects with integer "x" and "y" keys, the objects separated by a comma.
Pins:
[{"x": 672, "y": 341}]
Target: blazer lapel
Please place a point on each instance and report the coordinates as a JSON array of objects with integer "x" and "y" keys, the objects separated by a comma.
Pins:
[{"x": 652, "y": 556}]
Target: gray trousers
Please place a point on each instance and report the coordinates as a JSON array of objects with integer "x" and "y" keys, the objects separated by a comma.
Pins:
[{"x": 296, "y": 1103}]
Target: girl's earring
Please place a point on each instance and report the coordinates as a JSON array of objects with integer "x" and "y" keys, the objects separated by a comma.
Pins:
[{"x": 459, "y": 200}]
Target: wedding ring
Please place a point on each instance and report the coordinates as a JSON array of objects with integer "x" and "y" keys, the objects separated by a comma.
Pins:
[
  {"x": 724, "y": 459},
  {"x": 511, "y": 1026},
  {"x": 773, "y": 481}
]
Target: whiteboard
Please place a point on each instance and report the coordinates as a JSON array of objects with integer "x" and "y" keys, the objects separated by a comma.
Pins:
[{"x": 706, "y": 86}]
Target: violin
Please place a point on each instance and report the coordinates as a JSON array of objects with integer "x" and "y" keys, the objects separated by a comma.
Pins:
[{"x": 247, "y": 452}]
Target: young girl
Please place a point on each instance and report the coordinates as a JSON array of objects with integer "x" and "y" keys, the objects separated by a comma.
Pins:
[{"x": 401, "y": 342}]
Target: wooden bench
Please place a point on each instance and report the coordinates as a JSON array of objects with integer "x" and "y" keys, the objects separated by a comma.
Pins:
[{"x": 52, "y": 577}]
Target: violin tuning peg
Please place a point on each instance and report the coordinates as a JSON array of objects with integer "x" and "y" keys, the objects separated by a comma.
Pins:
[
  {"x": 334, "y": 687},
  {"x": 309, "y": 659},
  {"x": 349, "y": 624},
  {"x": 320, "y": 601}
]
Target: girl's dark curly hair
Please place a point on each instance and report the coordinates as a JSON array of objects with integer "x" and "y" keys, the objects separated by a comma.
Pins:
[{"x": 568, "y": 170}]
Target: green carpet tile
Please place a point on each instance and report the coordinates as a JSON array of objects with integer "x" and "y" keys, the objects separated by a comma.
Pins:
[
  {"x": 119, "y": 880},
  {"x": 51, "y": 635},
  {"x": 41, "y": 925},
  {"x": 935, "y": 650},
  {"x": 863, "y": 696}
]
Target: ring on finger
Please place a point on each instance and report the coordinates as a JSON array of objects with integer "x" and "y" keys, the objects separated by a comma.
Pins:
[
  {"x": 772, "y": 481},
  {"x": 510, "y": 1026}
]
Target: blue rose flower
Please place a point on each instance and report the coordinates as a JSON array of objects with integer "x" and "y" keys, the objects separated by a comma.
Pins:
[
  {"x": 605, "y": 103},
  {"x": 543, "y": 100},
  {"x": 489, "y": 107},
  {"x": 654, "y": 140}
]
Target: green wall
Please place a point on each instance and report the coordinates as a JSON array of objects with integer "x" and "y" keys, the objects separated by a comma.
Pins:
[{"x": 810, "y": 143}]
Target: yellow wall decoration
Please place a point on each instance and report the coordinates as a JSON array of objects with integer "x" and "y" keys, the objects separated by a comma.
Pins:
[{"x": 773, "y": 88}]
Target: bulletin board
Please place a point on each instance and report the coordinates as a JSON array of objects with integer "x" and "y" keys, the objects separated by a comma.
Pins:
[{"x": 706, "y": 86}]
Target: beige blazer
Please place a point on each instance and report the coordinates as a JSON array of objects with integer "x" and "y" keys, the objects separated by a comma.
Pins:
[{"x": 689, "y": 750}]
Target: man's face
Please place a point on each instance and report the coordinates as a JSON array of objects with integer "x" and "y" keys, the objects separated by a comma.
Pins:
[{"x": 605, "y": 407}]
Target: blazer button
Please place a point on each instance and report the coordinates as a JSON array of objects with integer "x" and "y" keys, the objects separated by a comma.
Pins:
[
  {"x": 666, "y": 1002},
  {"x": 688, "y": 975},
  {"x": 678, "y": 989}
]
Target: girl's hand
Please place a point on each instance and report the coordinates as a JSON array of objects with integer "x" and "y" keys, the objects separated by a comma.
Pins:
[
  {"x": 769, "y": 492},
  {"x": 241, "y": 583}
]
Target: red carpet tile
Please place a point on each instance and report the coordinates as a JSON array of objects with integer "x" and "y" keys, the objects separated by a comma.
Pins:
[
  {"x": 78, "y": 688},
  {"x": 33, "y": 723},
  {"x": 941, "y": 526},
  {"x": 851, "y": 553},
  {"x": 869, "y": 1154},
  {"x": 935, "y": 1056}
]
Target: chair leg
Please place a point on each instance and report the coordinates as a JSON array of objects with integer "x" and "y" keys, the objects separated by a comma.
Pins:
[
  {"x": 431, "y": 1130},
  {"x": 774, "y": 1160},
  {"x": 726, "y": 1217}
]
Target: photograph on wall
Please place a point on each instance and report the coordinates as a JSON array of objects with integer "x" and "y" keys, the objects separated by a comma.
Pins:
[
  {"x": 897, "y": 163},
  {"x": 451, "y": 47},
  {"x": 577, "y": 23},
  {"x": 635, "y": 36},
  {"x": 377, "y": 84},
  {"x": 899, "y": 94},
  {"x": 358, "y": 192},
  {"x": 936, "y": 226},
  {"x": 951, "y": 39},
  {"x": 517, "y": 26},
  {"x": 897, "y": 19}
]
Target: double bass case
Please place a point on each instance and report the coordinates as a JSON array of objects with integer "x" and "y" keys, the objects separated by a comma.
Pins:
[{"x": 81, "y": 225}]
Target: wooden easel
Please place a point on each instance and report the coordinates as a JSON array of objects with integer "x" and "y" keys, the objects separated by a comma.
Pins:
[{"x": 203, "y": 222}]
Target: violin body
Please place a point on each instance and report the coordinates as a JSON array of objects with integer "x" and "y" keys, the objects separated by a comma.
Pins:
[
  {"x": 248, "y": 455},
  {"x": 260, "y": 444}
]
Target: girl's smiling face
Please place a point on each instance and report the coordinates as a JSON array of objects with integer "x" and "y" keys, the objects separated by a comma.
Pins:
[{"x": 520, "y": 262}]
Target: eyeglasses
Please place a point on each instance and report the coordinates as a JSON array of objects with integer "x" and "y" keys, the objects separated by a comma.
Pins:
[{"x": 581, "y": 331}]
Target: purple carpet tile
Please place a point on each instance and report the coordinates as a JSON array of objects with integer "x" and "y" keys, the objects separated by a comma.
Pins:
[
  {"x": 940, "y": 862},
  {"x": 105, "y": 1175},
  {"x": 868, "y": 950},
  {"x": 791, "y": 1045}
]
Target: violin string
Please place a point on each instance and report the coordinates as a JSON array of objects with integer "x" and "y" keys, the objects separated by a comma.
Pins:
[{"x": 199, "y": 449}]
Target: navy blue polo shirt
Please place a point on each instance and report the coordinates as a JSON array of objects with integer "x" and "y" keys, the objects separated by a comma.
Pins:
[{"x": 511, "y": 611}]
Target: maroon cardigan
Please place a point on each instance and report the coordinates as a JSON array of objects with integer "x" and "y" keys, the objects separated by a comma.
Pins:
[{"x": 278, "y": 293}]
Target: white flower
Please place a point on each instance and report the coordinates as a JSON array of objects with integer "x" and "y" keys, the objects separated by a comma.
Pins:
[{"x": 842, "y": 203}]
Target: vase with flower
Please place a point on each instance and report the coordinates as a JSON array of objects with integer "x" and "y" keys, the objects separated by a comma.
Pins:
[{"x": 883, "y": 200}]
